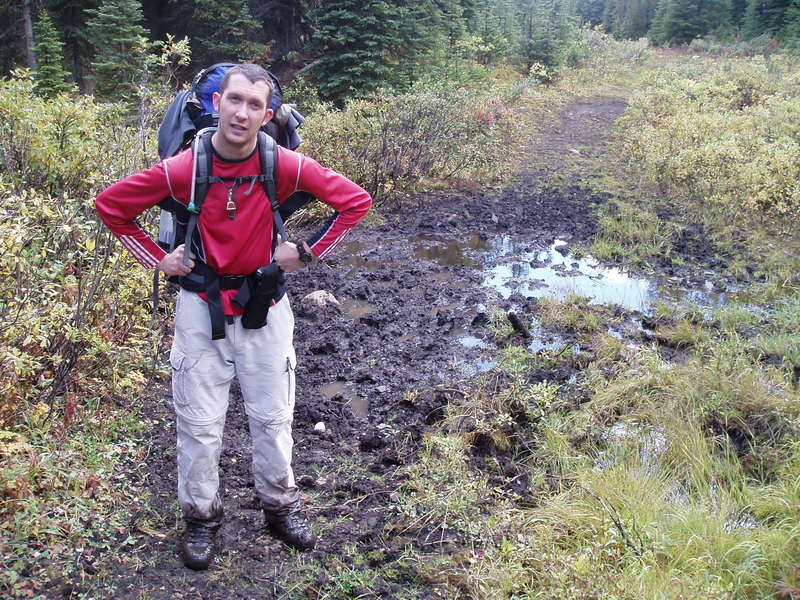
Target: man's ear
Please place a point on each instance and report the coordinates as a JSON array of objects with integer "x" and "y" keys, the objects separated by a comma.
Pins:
[
  {"x": 267, "y": 116},
  {"x": 215, "y": 101}
]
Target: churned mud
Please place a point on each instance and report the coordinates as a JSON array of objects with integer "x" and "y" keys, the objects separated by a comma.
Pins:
[{"x": 377, "y": 371}]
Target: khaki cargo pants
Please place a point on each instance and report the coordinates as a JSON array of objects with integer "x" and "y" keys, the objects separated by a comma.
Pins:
[{"x": 202, "y": 371}]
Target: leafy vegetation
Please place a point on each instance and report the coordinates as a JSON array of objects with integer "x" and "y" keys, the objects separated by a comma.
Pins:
[{"x": 644, "y": 477}]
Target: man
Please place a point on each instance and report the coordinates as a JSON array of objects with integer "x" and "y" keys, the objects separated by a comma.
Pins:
[{"x": 236, "y": 235}]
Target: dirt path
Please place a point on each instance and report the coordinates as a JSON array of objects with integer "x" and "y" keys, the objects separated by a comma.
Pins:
[{"x": 376, "y": 372}]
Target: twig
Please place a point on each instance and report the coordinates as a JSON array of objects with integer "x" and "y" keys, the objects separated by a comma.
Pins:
[
  {"x": 518, "y": 325},
  {"x": 616, "y": 518}
]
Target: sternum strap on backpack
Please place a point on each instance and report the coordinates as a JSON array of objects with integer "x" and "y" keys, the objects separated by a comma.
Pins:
[{"x": 203, "y": 278}]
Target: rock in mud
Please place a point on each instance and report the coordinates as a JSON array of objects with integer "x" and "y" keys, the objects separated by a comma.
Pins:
[{"x": 319, "y": 298}]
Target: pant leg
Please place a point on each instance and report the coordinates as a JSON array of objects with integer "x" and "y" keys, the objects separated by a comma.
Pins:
[
  {"x": 202, "y": 373},
  {"x": 265, "y": 366}
]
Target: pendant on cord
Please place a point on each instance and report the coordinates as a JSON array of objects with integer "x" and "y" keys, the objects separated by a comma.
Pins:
[{"x": 231, "y": 206}]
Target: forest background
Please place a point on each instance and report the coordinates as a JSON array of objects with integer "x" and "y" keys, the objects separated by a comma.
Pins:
[{"x": 351, "y": 48}]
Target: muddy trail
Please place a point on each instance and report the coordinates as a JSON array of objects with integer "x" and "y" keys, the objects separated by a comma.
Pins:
[{"x": 378, "y": 371}]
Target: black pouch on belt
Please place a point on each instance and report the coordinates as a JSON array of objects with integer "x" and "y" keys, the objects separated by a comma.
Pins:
[{"x": 264, "y": 290}]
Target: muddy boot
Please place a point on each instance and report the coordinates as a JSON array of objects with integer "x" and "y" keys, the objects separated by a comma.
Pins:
[
  {"x": 197, "y": 545},
  {"x": 291, "y": 528}
]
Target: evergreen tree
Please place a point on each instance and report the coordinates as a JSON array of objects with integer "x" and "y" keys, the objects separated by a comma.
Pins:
[
  {"x": 499, "y": 24},
  {"x": 766, "y": 16},
  {"x": 636, "y": 21},
  {"x": 286, "y": 24},
  {"x": 355, "y": 42},
  {"x": 27, "y": 29},
  {"x": 681, "y": 21},
  {"x": 69, "y": 17},
  {"x": 590, "y": 11},
  {"x": 791, "y": 31},
  {"x": 51, "y": 78},
  {"x": 119, "y": 39},
  {"x": 548, "y": 31},
  {"x": 221, "y": 30},
  {"x": 12, "y": 51}
]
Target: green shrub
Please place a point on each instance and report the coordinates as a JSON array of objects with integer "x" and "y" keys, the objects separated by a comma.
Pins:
[
  {"x": 395, "y": 143},
  {"x": 724, "y": 139},
  {"x": 71, "y": 303}
]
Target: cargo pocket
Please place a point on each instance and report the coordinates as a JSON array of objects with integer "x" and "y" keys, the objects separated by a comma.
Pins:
[
  {"x": 177, "y": 359},
  {"x": 291, "y": 366}
]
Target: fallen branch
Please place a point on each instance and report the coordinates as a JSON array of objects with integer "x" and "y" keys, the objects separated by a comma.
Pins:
[{"x": 518, "y": 325}]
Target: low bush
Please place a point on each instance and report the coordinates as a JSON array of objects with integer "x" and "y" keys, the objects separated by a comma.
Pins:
[
  {"x": 724, "y": 138},
  {"x": 76, "y": 340},
  {"x": 394, "y": 144},
  {"x": 72, "y": 304}
]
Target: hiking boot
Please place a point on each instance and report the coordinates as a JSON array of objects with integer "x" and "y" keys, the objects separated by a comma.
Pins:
[
  {"x": 292, "y": 529},
  {"x": 197, "y": 545}
]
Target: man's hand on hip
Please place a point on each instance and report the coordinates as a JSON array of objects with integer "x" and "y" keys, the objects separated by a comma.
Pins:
[
  {"x": 172, "y": 263},
  {"x": 288, "y": 258}
]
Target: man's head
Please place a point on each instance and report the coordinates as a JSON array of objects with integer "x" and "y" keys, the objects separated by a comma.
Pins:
[
  {"x": 243, "y": 105},
  {"x": 253, "y": 73}
]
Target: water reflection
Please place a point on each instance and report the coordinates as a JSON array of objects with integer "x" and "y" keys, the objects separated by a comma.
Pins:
[
  {"x": 449, "y": 254},
  {"x": 355, "y": 309},
  {"x": 359, "y": 406},
  {"x": 541, "y": 273}
]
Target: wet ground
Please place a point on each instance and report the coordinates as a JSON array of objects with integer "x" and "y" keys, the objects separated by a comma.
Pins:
[{"x": 414, "y": 292}]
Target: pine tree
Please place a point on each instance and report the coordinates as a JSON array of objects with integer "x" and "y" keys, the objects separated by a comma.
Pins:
[
  {"x": 69, "y": 17},
  {"x": 354, "y": 44},
  {"x": 590, "y": 11},
  {"x": 766, "y": 16},
  {"x": 221, "y": 30},
  {"x": 791, "y": 31},
  {"x": 636, "y": 21},
  {"x": 681, "y": 21},
  {"x": 286, "y": 24},
  {"x": 550, "y": 25},
  {"x": 51, "y": 78},
  {"x": 120, "y": 43}
]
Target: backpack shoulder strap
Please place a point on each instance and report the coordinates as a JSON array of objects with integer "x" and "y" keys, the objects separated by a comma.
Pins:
[
  {"x": 203, "y": 156},
  {"x": 268, "y": 155}
]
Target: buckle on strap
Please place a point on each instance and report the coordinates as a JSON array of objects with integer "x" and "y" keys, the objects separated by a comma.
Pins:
[{"x": 231, "y": 282}]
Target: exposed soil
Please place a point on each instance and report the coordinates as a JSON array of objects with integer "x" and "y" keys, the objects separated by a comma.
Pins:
[{"x": 377, "y": 372}]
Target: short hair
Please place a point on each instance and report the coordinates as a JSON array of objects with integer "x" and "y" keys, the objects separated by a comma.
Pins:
[{"x": 253, "y": 73}]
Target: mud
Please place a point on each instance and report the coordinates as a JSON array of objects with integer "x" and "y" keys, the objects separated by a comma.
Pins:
[{"x": 412, "y": 325}]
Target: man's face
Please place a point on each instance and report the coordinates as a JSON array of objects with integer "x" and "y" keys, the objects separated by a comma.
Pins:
[{"x": 242, "y": 109}]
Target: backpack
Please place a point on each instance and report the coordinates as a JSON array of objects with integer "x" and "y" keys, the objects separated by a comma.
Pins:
[{"x": 190, "y": 119}]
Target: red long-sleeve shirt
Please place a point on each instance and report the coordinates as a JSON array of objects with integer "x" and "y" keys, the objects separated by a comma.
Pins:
[{"x": 232, "y": 246}]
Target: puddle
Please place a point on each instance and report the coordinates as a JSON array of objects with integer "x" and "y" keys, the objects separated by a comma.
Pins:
[
  {"x": 359, "y": 406},
  {"x": 355, "y": 309},
  {"x": 409, "y": 336},
  {"x": 548, "y": 273},
  {"x": 332, "y": 390},
  {"x": 442, "y": 276},
  {"x": 472, "y": 368},
  {"x": 542, "y": 342},
  {"x": 361, "y": 263},
  {"x": 437, "y": 309},
  {"x": 470, "y": 341},
  {"x": 448, "y": 254},
  {"x": 476, "y": 243},
  {"x": 616, "y": 333}
]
